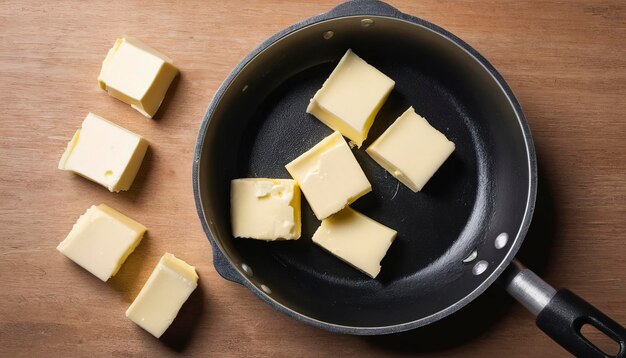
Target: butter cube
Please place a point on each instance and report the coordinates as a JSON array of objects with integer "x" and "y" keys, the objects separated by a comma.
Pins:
[
  {"x": 411, "y": 150},
  {"x": 355, "y": 239},
  {"x": 265, "y": 209},
  {"x": 329, "y": 176},
  {"x": 351, "y": 97},
  {"x": 105, "y": 153},
  {"x": 101, "y": 240},
  {"x": 136, "y": 74},
  {"x": 168, "y": 287}
]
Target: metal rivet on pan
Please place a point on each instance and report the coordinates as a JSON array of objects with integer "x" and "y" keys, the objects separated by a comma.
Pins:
[
  {"x": 246, "y": 269},
  {"x": 328, "y": 35},
  {"x": 244, "y": 88},
  {"x": 471, "y": 257},
  {"x": 501, "y": 240},
  {"x": 266, "y": 289},
  {"x": 480, "y": 267},
  {"x": 367, "y": 22}
]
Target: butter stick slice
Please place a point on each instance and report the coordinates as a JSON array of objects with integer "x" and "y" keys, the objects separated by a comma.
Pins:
[
  {"x": 411, "y": 150},
  {"x": 356, "y": 239},
  {"x": 105, "y": 153},
  {"x": 329, "y": 175},
  {"x": 137, "y": 74},
  {"x": 101, "y": 240},
  {"x": 351, "y": 97},
  {"x": 265, "y": 209},
  {"x": 168, "y": 287}
]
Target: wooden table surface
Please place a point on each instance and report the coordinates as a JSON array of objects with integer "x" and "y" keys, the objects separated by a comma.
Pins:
[{"x": 565, "y": 60}]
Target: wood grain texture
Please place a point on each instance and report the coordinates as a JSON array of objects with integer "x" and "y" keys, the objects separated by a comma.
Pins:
[{"x": 566, "y": 61}]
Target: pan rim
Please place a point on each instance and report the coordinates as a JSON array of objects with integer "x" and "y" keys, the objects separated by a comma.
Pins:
[{"x": 399, "y": 327}]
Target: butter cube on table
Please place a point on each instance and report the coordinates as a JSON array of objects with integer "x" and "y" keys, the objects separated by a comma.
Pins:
[
  {"x": 167, "y": 289},
  {"x": 265, "y": 209},
  {"x": 351, "y": 97},
  {"x": 355, "y": 239},
  {"x": 411, "y": 150},
  {"x": 329, "y": 175},
  {"x": 101, "y": 240},
  {"x": 104, "y": 153},
  {"x": 136, "y": 74}
]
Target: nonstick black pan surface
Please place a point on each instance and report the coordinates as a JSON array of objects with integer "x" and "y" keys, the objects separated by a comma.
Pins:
[{"x": 455, "y": 237}]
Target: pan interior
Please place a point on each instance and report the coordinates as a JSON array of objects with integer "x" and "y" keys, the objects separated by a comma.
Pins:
[{"x": 480, "y": 192}]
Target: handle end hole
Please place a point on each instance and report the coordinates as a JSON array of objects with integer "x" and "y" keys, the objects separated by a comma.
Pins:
[{"x": 606, "y": 344}]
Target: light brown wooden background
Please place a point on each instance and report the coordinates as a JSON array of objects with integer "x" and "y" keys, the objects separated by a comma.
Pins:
[{"x": 566, "y": 61}]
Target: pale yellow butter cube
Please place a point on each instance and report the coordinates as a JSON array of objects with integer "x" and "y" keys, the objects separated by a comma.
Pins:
[
  {"x": 167, "y": 289},
  {"x": 101, "y": 240},
  {"x": 137, "y": 74},
  {"x": 265, "y": 209},
  {"x": 355, "y": 239},
  {"x": 104, "y": 153},
  {"x": 411, "y": 150},
  {"x": 329, "y": 175},
  {"x": 351, "y": 97}
]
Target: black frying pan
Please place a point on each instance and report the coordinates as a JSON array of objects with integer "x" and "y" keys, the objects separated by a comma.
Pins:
[{"x": 454, "y": 238}]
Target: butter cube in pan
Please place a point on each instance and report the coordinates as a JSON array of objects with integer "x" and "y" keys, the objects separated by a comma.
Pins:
[
  {"x": 351, "y": 97},
  {"x": 411, "y": 150},
  {"x": 329, "y": 175},
  {"x": 167, "y": 289},
  {"x": 265, "y": 209},
  {"x": 355, "y": 239},
  {"x": 104, "y": 153},
  {"x": 101, "y": 240},
  {"x": 136, "y": 74}
]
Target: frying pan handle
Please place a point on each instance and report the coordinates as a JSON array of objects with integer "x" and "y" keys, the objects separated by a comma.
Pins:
[
  {"x": 561, "y": 314},
  {"x": 224, "y": 267},
  {"x": 364, "y": 7}
]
